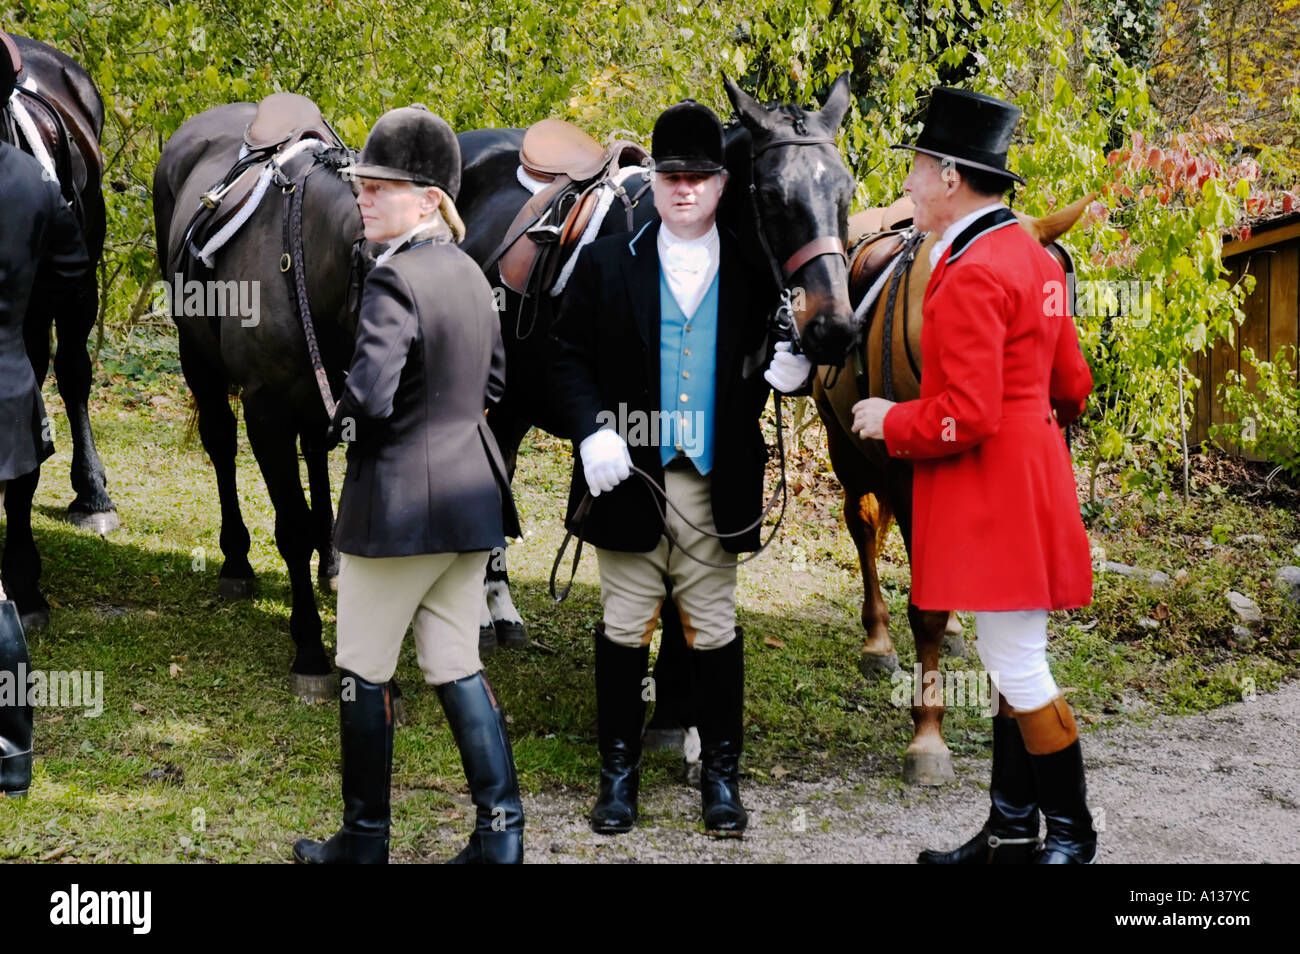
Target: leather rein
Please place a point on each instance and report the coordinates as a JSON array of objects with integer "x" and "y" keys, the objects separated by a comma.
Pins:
[{"x": 782, "y": 324}]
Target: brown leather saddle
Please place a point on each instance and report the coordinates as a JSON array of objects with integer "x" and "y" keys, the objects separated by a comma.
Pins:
[
  {"x": 281, "y": 120},
  {"x": 875, "y": 237},
  {"x": 545, "y": 231}
]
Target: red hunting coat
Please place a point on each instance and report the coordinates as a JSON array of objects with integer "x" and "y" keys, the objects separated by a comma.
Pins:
[{"x": 996, "y": 522}]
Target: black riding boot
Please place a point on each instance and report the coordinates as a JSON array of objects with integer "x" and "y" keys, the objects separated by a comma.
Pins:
[
  {"x": 620, "y": 708},
  {"x": 1063, "y": 797},
  {"x": 720, "y": 680},
  {"x": 479, "y": 727},
  {"x": 1052, "y": 740},
  {"x": 1010, "y": 836},
  {"x": 15, "y": 713},
  {"x": 366, "y": 733}
]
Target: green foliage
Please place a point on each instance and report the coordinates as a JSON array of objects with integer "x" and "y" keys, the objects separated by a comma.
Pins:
[
  {"x": 1265, "y": 418},
  {"x": 1167, "y": 197}
]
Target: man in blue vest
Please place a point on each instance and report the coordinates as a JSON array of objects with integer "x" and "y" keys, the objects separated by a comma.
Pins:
[{"x": 652, "y": 348}]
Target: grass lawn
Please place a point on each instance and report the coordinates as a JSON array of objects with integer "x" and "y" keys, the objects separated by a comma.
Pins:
[{"x": 200, "y": 753}]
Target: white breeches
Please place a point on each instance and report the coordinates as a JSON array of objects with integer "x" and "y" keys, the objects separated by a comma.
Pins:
[{"x": 1013, "y": 648}]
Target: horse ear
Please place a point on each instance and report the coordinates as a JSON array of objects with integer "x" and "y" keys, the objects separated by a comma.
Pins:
[
  {"x": 837, "y": 103},
  {"x": 747, "y": 108}
]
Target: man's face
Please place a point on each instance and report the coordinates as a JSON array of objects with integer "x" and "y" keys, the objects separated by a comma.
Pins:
[
  {"x": 389, "y": 209},
  {"x": 688, "y": 201},
  {"x": 931, "y": 195}
]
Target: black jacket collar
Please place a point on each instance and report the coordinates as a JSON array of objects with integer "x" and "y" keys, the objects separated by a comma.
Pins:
[{"x": 989, "y": 222}]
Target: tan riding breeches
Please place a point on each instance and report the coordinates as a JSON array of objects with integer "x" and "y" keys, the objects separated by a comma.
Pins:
[
  {"x": 633, "y": 585},
  {"x": 379, "y": 597}
]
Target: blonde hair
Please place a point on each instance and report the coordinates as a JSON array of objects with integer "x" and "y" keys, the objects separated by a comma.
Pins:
[{"x": 445, "y": 214}]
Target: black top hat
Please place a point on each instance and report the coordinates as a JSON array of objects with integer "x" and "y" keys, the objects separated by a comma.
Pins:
[
  {"x": 411, "y": 144},
  {"x": 687, "y": 138},
  {"x": 10, "y": 64},
  {"x": 970, "y": 128}
]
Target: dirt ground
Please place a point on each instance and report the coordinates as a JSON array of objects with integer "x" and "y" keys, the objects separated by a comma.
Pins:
[{"x": 1219, "y": 787}]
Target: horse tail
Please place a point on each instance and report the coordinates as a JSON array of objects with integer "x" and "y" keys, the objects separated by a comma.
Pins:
[
  {"x": 192, "y": 425},
  {"x": 876, "y": 517}
]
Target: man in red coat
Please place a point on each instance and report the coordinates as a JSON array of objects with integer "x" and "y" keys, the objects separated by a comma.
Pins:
[{"x": 996, "y": 525}]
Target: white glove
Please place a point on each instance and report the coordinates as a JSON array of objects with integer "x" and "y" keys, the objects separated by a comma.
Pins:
[
  {"x": 787, "y": 372},
  {"x": 605, "y": 460}
]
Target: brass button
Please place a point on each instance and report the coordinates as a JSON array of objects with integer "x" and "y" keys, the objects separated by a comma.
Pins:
[
  {"x": 688, "y": 328},
  {"x": 679, "y": 446},
  {"x": 687, "y": 351},
  {"x": 685, "y": 398},
  {"x": 686, "y": 374}
]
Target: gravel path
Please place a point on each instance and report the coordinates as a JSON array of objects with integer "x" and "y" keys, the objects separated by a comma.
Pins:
[{"x": 1220, "y": 787}]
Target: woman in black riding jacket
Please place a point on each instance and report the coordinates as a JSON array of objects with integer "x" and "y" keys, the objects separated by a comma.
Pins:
[{"x": 422, "y": 500}]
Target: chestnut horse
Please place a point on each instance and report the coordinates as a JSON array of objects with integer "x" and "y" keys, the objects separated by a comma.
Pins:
[{"x": 878, "y": 487}]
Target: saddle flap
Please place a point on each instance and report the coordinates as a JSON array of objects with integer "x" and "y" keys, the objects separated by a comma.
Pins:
[
  {"x": 554, "y": 147},
  {"x": 869, "y": 260},
  {"x": 283, "y": 119},
  {"x": 517, "y": 261}
]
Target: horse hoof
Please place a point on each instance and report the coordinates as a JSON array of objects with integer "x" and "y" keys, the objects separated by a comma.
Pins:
[
  {"x": 34, "y": 621},
  {"x": 487, "y": 640},
  {"x": 510, "y": 635},
  {"x": 102, "y": 523},
  {"x": 873, "y": 664},
  {"x": 310, "y": 687},
  {"x": 954, "y": 644},
  {"x": 328, "y": 584},
  {"x": 233, "y": 588},
  {"x": 928, "y": 768}
]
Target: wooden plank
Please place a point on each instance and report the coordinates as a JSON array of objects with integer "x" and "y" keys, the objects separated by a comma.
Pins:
[
  {"x": 1284, "y": 299},
  {"x": 1253, "y": 332},
  {"x": 1262, "y": 240}
]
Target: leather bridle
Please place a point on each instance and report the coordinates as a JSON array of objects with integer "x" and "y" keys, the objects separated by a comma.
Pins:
[{"x": 783, "y": 318}]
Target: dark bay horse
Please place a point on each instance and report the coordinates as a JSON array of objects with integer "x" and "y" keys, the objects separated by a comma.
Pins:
[
  {"x": 57, "y": 104},
  {"x": 878, "y": 487},
  {"x": 801, "y": 197},
  {"x": 260, "y": 347}
]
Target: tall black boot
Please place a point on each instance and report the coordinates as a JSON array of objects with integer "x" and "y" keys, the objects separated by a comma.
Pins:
[
  {"x": 1010, "y": 836},
  {"x": 620, "y": 707},
  {"x": 720, "y": 680},
  {"x": 15, "y": 713},
  {"x": 479, "y": 727},
  {"x": 1052, "y": 740},
  {"x": 366, "y": 734}
]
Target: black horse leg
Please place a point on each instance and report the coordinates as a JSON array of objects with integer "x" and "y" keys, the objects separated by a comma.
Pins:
[
  {"x": 674, "y": 709},
  {"x": 274, "y": 436},
  {"x": 322, "y": 510},
  {"x": 20, "y": 568},
  {"x": 219, "y": 433},
  {"x": 509, "y": 429},
  {"x": 92, "y": 508}
]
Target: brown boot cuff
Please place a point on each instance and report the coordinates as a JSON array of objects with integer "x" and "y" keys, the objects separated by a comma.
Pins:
[{"x": 1048, "y": 729}]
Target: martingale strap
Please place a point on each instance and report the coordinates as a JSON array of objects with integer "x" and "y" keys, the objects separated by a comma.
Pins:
[
  {"x": 293, "y": 268},
  {"x": 904, "y": 265}
]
